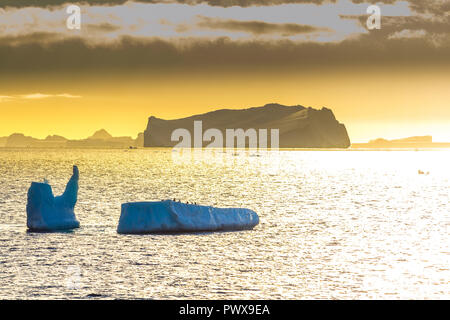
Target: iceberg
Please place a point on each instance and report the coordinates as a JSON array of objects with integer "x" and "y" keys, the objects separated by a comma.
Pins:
[
  {"x": 171, "y": 216},
  {"x": 45, "y": 212}
]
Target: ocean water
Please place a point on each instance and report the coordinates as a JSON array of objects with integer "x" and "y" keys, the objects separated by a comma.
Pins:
[{"x": 334, "y": 225}]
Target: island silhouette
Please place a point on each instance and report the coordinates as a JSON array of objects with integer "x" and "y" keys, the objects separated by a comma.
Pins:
[
  {"x": 299, "y": 127},
  {"x": 100, "y": 139},
  {"x": 405, "y": 143}
]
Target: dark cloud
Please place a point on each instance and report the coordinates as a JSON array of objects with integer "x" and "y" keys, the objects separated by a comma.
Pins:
[
  {"x": 46, "y": 3},
  {"x": 50, "y": 52},
  {"x": 103, "y": 27},
  {"x": 158, "y": 56},
  {"x": 257, "y": 27},
  {"x": 36, "y": 38},
  {"x": 419, "y": 5},
  {"x": 446, "y": 7},
  {"x": 437, "y": 7},
  {"x": 223, "y": 3}
]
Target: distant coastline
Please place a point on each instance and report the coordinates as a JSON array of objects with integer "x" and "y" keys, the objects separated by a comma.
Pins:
[
  {"x": 417, "y": 142},
  {"x": 100, "y": 139}
]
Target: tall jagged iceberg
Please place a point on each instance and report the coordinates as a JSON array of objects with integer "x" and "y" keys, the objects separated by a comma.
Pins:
[
  {"x": 45, "y": 212},
  {"x": 298, "y": 127},
  {"x": 172, "y": 216}
]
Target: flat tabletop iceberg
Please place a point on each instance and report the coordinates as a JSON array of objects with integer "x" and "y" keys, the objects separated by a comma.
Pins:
[
  {"x": 172, "y": 216},
  {"x": 45, "y": 212}
]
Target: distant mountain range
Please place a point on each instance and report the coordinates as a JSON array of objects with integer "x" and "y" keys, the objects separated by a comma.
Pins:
[
  {"x": 299, "y": 127},
  {"x": 100, "y": 139},
  {"x": 411, "y": 142}
]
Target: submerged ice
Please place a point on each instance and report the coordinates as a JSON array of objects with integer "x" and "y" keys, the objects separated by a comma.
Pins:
[
  {"x": 45, "y": 212},
  {"x": 171, "y": 216}
]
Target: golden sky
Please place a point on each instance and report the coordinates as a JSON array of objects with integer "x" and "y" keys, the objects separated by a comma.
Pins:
[{"x": 137, "y": 59}]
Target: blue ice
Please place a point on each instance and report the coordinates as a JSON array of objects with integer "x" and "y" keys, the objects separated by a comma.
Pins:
[
  {"x": 172, "y": 216},
  {"x": 45, "y": 212}
]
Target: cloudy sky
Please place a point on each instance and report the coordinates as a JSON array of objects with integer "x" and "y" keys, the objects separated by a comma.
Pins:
[{"x": 133, "y": 59}]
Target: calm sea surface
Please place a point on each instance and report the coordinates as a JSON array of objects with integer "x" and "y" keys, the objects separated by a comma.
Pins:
[{"x": 334, "y": 224}]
